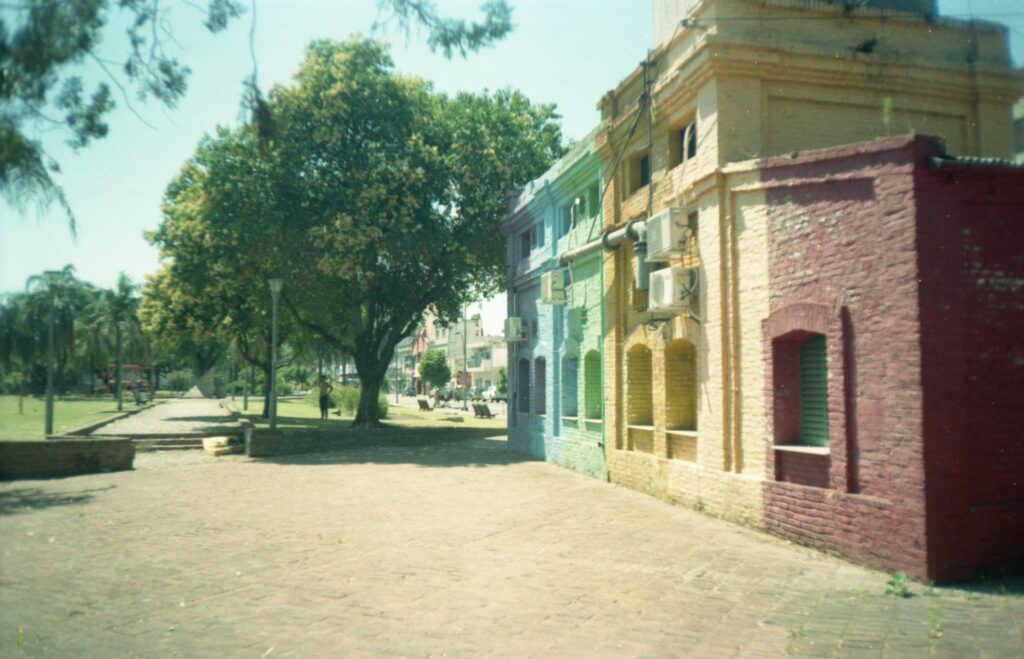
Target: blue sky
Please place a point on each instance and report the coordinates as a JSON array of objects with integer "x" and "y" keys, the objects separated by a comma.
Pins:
[{"x": 568, "y": 52}]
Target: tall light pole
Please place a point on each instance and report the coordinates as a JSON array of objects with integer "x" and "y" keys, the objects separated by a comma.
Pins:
[
  {"x": 118, "y": 376},
  {"x": 52, "y": 278},
  {"x": 465, "y": 362},
  {"x": 275, "y": 292}
]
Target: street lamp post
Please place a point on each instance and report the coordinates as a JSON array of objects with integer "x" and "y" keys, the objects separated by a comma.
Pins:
[
  {"x": 52, "y": 278},
  {"x": 465, "y": 362},
  {"x": 275, "y": 292},
  {"x": 118, "y": 375}
]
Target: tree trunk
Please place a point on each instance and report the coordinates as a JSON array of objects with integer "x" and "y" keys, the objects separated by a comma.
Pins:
[{"x": 368, "y": 414}]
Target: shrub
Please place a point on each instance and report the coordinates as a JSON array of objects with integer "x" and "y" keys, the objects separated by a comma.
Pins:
[
  {"x": 346, "y": 399},
  {"x": 181, "y": 380}
]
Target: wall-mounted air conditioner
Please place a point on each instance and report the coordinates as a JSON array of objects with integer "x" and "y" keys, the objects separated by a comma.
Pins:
[
  {"x": 552, "y": 287},
  {"x": 673, "y": 289},
  {"x": 667, "y": 233},
  {"x": 515, "y": 330}
]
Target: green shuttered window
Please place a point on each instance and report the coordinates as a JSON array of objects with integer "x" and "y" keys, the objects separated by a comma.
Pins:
[{"x": 814, "y": 392}]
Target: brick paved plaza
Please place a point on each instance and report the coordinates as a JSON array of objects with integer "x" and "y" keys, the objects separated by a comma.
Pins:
[{"x": 458, "y": 549}]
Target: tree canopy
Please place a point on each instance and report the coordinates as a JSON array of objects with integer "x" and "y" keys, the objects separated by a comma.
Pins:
[
  {"x": 42, "y": 44},
  {"x": 377, "y": 199},
  {"x": 434, "y": 369}
]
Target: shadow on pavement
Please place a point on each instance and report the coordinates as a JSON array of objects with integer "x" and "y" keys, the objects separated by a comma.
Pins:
[
  {"x": 455, "y": 452},
  {"x": 34, "y": 498},
  {"x": 1008, "y": 582}
]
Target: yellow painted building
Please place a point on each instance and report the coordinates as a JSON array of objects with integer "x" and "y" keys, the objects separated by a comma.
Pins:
[{"x": 732, "y": 81}]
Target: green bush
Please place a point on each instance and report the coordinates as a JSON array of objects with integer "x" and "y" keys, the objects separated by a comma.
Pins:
[
  {"x": 11, "y": 383},
  {"x": 178, "y": 380},
  {"x": 346, "y": 399}
]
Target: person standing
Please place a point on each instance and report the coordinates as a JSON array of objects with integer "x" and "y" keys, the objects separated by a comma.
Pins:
[{"x": 325, "y": 396}]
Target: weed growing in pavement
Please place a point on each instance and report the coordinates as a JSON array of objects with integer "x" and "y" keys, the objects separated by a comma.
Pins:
[
  {"x": 898, "y": 585},
  {"x": 934, "y": 620}
]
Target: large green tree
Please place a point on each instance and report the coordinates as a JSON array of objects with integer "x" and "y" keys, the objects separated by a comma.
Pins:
[
  {"x": 219, "y": 239},
  {"x": 376, "y": 199},
  {"x": 393, "y": 194}
]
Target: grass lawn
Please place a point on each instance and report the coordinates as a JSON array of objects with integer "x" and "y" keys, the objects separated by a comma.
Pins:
[
  {"x": 68, "y": 414},
  {"x": 295, "y": 414}
]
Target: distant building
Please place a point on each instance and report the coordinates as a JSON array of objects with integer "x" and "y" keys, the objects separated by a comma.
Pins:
[{"x": 486, "y": 354}]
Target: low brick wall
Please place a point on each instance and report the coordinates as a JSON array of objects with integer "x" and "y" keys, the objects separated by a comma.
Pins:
[
  {"x": 262, "y": 443},
  {"x": 54, "y": 458}
]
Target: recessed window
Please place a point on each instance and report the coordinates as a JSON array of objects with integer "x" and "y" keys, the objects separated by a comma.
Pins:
[
  {"x": 683, "y": 144},
  {"x": 680, "y": 385},
  {"x": 523, "y": 377},
  {"x": 570, "y": 385},
  {"x": 639, "y": 407},
  {"x": 813, "y": 392},
  {"x": 639, "y": 172},
  {"x": 800, "y": 375},
  {"x": 593, "y": 200},
  {"x": 540, "y": 386},
  {"x": 592, "y": 385},
  {"x": 564, "y": 221}
]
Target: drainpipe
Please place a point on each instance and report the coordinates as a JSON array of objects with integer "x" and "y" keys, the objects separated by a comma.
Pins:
[{"x": 635, "y": 230}]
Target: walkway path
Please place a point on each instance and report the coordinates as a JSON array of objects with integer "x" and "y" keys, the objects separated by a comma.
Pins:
[
  {"x": 182, "y": 416},
  {"x": 462, "y": 549}
]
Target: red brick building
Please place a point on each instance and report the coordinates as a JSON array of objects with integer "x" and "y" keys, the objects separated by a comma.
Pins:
[{"x": 894, "y": 353}]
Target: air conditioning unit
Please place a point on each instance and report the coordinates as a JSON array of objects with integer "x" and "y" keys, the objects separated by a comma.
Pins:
[
  {"x": 552, "y": 287},
  {"x": 667, "y": 233},
  {"x": 514, "y": 330},
  {"x": 673, "y": 289}
]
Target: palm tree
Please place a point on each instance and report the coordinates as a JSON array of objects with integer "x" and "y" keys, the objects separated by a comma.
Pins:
[{"x": 122, "y": 305}]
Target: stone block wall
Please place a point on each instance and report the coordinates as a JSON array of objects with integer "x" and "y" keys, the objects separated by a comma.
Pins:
[{"x": 55, "y": 458}]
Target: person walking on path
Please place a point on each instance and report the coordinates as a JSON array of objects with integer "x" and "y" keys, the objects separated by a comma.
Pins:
[{"x": 325, "y": 396}]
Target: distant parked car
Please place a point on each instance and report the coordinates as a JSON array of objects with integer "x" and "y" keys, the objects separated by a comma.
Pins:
[
  {"x": 409, "y": 391},
  {"x": 490, "y": 392}
]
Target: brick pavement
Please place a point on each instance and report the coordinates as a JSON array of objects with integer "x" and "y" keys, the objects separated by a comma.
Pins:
[
  {"x": 176, "y": 415},
  {"x": 458, "y": 549}
]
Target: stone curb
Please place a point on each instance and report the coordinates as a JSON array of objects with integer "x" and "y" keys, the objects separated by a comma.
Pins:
[{"x": 96, "y": 425}]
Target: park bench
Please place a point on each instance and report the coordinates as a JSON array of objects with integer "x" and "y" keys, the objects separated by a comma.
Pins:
[
  {"x": 424, "y": 405},
  {"x": 482, "y": 411}
]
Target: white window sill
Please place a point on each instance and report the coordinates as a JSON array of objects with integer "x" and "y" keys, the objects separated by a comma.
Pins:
[
  {"x": 574, "y": 419},
  {"x": 634, "y": 426},
  {"x": 682, "y": 433},
  {"x": 799, "y": 448},
  {"x": 594, "y": 421}
]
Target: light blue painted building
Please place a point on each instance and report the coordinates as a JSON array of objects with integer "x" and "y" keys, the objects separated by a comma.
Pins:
[{"x": 555, "y": 302}]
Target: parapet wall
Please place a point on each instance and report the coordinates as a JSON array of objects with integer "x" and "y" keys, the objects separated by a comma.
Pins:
[{"x": 55, "y": 458}]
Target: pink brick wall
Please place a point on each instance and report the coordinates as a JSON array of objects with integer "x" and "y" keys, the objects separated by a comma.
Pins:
[
  {"x": 925, "y": 460},
  {"x": 971, "y": 255},
  {"x": 842, "y": 264}
]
